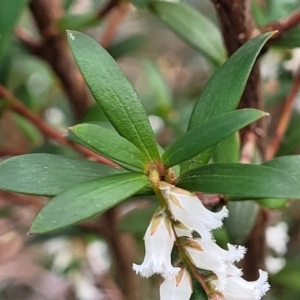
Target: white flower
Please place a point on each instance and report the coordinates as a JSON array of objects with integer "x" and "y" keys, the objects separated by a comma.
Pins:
[
  {"x": 274, "y": 264},
  {"x": 277, "y": 237},
  {"x": 177, "y": 288},
  {"x": 238, "y": 288},
  {"x": 159, "y": 240},
  {"x": 207, "y": 255},
  {"x": 189, "y": 210}
]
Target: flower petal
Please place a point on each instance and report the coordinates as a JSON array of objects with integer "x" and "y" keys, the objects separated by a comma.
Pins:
[
  {"x": 189, "y": 210},
  {"x": 177, "y": 288},
  {"x": 214, "y": 258},
  {"x": 159, "y": 241},
  {"x": 238, "y": 288}
]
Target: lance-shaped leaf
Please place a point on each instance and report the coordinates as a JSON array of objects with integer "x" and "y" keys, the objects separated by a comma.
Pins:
[
  {"x": 86, "y": 200},
  {"x": 208, "y": 134},
  {"x": 245, "y": 181},
  {"x": 48, "y": 174},
  {"x": 278, "y": 203},
  {"x": 193, "y": 27},
  {"x": 241, "y": 219},
  {"x": 109, "y": 144},
  {"x": 113, "y": 92},
  {"x": 289, "y": 164},
  {"x": 10, "y": 12},
  {"x": 228, "y": 150},
  {"x": 220, "y": 96}
]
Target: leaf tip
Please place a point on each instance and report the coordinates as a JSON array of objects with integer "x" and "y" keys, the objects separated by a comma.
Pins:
[{"x": 71, "y": 35}]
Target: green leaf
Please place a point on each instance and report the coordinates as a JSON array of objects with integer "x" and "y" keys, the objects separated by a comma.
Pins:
[
  {"x": 291, "y": 39},
  {"x": 138, "y": 220},
  {"x": 291, "y": 141},
  {"x": 241, "y": 219},
  {"x": 198, "y": 291},
  {"x": 78, "y": 21},
  {"x": 109, "y": 144},
  {"x": 243, "y": 180},
  {"x": 279, "y": 203},
  {"x": 161, "y": 93},
  {"x": 289, "y": 164},
  {"x": 288, "y": 277},
  {"x": 128, "y": 45},
  {"x": 48, "y": 174},
  {"x": 10, "y": 12},
  {"x": 208, "y": 134},
  {"x": 114, "y": 93},
  {"x": 193, "y": 27},
  {"x": 29, "y": 131},
  {"x": 86, "y": 200},
  {"x": 220, "y": 96},
  {"x": 228, "y": 150}
]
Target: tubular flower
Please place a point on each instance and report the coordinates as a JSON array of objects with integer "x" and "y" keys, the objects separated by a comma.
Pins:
[
  {"x": 207, "y": 255},
  {"x": 177, "y": 288},
  {"x": 159, "y": 240},
  {"x": 189, "y": 210},
  {"x": 238, "y": 288}
]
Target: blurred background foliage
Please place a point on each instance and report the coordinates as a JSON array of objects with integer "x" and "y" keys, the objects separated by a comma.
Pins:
[{"x": 168, "y": 52}]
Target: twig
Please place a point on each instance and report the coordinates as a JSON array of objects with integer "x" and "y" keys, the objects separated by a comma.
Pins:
[
  {"x": 22, "y": 200},
  {"x": 122, "y": 253},
  {"x": 111, "y": 290},
  {"x": 210, "y": 200},
  {"x": 256, "y": 246},
  {"x": 16, "y": 105},
  {"x": 107, "y": 8},
  {"x": 11, "y": 152},
  {"x": 248, "y": 148},
  {"x": 54, "y": 49},
  {"x": 28, "y": 40},
  {"x": 284, "y": 118},
  {"x": 238, "y": 27},
  {"x": 114, "y": 20},
  {"x": 283, "y": 25}
]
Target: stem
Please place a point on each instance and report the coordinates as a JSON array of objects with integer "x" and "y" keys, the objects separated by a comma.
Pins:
[
  {"x": 283, "y": 25},
  {"x": 284, "y": 118},
  {"x": 248, "y": 148},
  {"x": 113, "y": 23},
  {"x": 107, "y": 8},
  {"x": 123, "y": 253},
  {"x": 54, "y": 49},
  {"x": 238, "y": 27},
  {"x": 154, "y": 177},
  {"x": 17, "y": 106}
]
